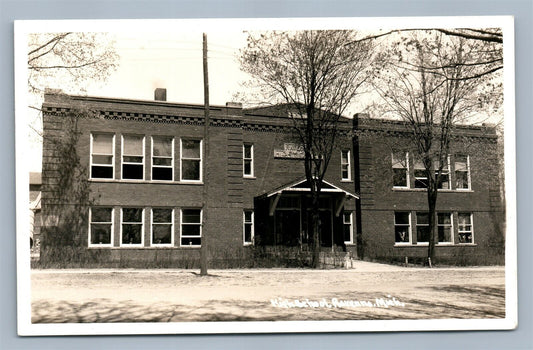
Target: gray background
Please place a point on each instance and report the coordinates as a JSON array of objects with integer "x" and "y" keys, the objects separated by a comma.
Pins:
[{"x": 11, "y": 10}]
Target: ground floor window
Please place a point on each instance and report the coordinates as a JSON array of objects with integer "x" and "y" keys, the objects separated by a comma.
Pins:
[
  {"x": 191, "y": 228},
  {"x": 101, "y": 226},
  {"x": 162, "y": 219},
  {"x": 248, "y": 227},
  {"x": 347, "y": 220},
  {"x": 402, "y": 227},
  {"x": 444, "y": 227},
  {"x": 466, "y": 232},
  {"x": 132, "y": 226},
  {"x": 422, "y": 228}
]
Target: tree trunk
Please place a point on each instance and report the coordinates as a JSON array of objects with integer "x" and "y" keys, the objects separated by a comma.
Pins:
[
  {"x": 432, "y": 216},
  {"x": 316, "y": 230}
]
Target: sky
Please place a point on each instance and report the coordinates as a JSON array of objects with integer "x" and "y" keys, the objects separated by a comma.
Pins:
[
  {"x": 158, "y": 55},
  {"x": 174, "y": 61}
]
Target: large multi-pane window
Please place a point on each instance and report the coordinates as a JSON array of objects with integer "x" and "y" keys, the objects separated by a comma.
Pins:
[
  {"x": 191, "y": 160},
  {"x": 444, "y": 183},
  {"x": 248, "y": 227},
  {"x": 422, "y": 228},
  {"x": 191, "y": 227},
  {"x": 102, "y": 151},
  {"x": 162, "y": 158},
  {"x": 444, "y": 228},
  {"x": 101, "y": 226},
  {"x": 402, "y": 227},
  {"x": 462, "y": 172},
  {"x": 466, "y": 232},
  {"x": 346, "y": 173},
  {"x": 347, "y": 223},
  {"x": 162, "y": 220},
  {"x": 132, "y": 157},
  {"x": 132, "y": 226},
  {"x": 400, "y": 169},
  {"x": 248, "y": 160}
]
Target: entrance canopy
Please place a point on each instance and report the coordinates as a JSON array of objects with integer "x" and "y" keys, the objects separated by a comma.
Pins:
[{"x": 302, "y": 187}]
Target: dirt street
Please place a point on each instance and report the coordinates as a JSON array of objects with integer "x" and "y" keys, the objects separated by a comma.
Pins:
[{"x": 370, "y": 291}]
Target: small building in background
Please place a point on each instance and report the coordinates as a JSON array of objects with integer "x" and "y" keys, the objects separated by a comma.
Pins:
[{"x": 35, "y": 208}]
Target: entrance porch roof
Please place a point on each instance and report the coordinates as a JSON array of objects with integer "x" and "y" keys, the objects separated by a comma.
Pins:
[{"x": 302, "y": 185}]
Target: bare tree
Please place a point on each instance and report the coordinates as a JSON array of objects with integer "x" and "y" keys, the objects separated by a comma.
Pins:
[
  {"x": 316, "y": 75},
  {"x": 433, "y": 81},
  {"x": 68, "y": 61}
]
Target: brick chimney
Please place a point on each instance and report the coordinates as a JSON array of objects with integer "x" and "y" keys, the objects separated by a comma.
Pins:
[{"x": 160, "y": 94}]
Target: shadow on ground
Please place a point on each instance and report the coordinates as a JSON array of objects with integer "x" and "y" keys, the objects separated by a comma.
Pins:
[{"x": 434, "y": 302}]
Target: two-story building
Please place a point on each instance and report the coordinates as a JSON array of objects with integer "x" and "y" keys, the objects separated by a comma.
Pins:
[{"x": 156, "y": 196}]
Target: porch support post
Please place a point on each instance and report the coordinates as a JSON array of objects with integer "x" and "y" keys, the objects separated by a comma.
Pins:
[
  {"x": 340, "y": 205},
  {"x": 273, "y": 204}
]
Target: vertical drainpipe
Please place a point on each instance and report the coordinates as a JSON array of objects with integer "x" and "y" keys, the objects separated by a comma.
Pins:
[{"x": 357, "y": 184}]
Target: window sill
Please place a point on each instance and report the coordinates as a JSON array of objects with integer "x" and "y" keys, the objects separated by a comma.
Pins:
[
  {"x": 346, "y": 180},
  {"x": 410, "y": 245},
  {"x": 155, "y": 182},
  {"x": 249, "y": 177},
  {"x": 408, "y": 189}
]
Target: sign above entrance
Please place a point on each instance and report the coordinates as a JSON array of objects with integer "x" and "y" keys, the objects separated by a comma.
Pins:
[{"x": 290, "y": 150}]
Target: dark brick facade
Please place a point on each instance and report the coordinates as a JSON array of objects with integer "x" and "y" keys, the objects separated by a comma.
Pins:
[{"x": 229, "y": 192}]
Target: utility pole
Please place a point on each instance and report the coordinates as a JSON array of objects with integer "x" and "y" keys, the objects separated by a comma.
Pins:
[{"x": 203, "y": 247}]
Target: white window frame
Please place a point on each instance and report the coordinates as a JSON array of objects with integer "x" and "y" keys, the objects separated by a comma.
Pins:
[
  {"x": 152, "y": 223},
  {"x": 451, "y": 229},
  {"x": 407, "y": 177},
  {"x": 348, "y": 164},
  {"x": 136, "y": 223},
  {"x": 91, "y": 164},
  {"x": 445, "y": 170},
  {"x": 350, "y": 242},
  {"x": 471, "y": 227},
  {"x": 416, "y": 167},
  {"x": 122, "y": 162},
  {"x": 171, "y": 166},
  {"x": 423, "y": 243},
  {"x": 468, "y": 173},
  {"x": 201, "y": 160},
  {"x": 410, "y": 230},
  {"x": 251, "y": 159},
  {"x": 251, "y": 223},
  {"x": 112, "y": 228},
  {"x": 200, "y": 224}
]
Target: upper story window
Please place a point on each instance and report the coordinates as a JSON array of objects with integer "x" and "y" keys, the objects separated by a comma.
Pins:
[
  {"x": 162, "y": 158},
  {"x": 248, "y": 160},
  {"x": 444, "y": 183},
  {"x": 402, "y": 227},
  {"x": 346, "y": 173},
  {"x": 132, "y": 157},
  {"x": 421, "y": 177},
  {"x": 102, "y": 160},
  {"x": 132, "y": 226},
  {"x": 400, "y": 169},
  {"x": 101, "y": 226},
  {"x": 462, "y": 172},
  {"x": 191, "y": 160},
  {"x": 248, "y": 227}
]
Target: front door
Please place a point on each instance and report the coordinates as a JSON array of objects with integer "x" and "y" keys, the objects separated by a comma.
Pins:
[{"x": 325, "y": 226}]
